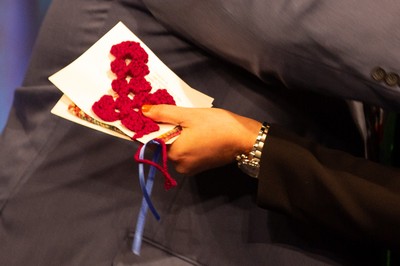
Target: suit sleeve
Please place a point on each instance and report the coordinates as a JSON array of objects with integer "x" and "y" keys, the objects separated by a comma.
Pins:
[
  {"x": 331, "y": 189},
  {"x": 329, "y": 47}
]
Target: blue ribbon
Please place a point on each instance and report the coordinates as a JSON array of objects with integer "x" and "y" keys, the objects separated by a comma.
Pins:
[{"x": 146, "y": 187}]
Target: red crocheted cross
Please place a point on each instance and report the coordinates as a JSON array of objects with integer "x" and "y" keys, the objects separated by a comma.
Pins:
[{"x": 132, "y": 90}]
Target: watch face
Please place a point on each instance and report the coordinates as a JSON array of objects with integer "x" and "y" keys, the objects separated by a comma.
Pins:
[{"x": 250, "y": 170}]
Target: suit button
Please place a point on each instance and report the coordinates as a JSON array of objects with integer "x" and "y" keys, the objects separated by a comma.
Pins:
[
  {"x": 378, "y": 74},
  {"x": 391, "y": 79}
]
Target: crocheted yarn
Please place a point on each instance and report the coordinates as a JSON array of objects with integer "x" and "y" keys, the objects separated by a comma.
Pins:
[
  {"x": 132, "y": 90},
  {"x": 163, "y": 168}
]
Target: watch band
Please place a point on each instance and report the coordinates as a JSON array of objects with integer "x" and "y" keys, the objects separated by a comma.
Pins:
[{"x": 250, "y": 163}]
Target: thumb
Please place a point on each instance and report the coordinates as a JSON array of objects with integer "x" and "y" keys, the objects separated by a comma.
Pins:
[{"x": 164, "y": 113}]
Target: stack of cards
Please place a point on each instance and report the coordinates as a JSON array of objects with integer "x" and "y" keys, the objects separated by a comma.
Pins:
[{"x": 89, "y": 77}]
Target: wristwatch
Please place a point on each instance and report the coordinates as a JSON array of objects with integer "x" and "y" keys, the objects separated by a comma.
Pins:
[{"x": 250, "y": 163}]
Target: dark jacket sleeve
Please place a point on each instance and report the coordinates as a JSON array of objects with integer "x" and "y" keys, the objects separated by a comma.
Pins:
[{"x": 352, "y": 196}]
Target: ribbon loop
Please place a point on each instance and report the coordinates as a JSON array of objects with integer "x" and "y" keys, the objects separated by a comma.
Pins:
[{"x": 147, "y": 185}]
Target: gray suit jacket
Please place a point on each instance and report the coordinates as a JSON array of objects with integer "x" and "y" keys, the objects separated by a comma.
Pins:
[
  {"x": 70, "y": 195},
  {"x": 330, "y": 47}
]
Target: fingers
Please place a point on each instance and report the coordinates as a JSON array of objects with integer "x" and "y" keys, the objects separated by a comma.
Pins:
[
  {"x": 211, "y": 137},
  {"x": 165, "y": 113}
]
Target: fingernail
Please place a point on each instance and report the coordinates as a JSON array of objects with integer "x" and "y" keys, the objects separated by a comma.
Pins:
[{"x": 146, "y": 108}]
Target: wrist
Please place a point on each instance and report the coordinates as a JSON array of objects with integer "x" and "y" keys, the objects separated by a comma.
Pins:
[
  {"x": 249, "y": 162},
  {"x": 249, "y": 137}
]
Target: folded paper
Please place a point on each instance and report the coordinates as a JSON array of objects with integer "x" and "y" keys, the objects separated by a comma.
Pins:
[{"x": 89, "y": 77}]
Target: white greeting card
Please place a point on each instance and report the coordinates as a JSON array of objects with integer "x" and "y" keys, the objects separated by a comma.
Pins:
[{"x": 89, "y": 77}]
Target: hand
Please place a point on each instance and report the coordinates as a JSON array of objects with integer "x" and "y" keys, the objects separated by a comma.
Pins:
[{"x": 210, "y": 137}]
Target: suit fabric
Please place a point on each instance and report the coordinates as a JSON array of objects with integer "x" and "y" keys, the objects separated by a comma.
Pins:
[{"x": 70, "y": 196}]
